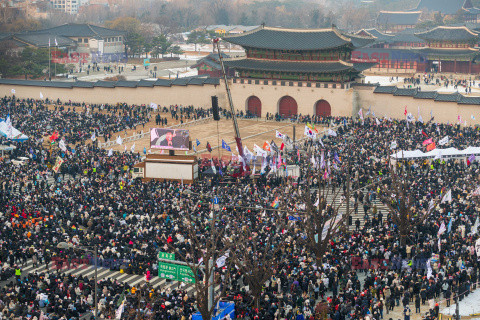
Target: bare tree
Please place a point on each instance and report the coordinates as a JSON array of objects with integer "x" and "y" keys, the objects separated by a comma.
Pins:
[
  {"x": 323, "y": 219},
  {"x": 398, "y": 196},
  {"x": 258, "y": 250},
  {"x": 205, "y": 244}
]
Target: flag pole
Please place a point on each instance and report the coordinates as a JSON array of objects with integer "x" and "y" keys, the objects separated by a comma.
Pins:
[{"x": 49, "y": 58}]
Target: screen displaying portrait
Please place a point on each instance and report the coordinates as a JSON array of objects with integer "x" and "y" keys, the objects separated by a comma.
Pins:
[{"x": 170, "y": 139}]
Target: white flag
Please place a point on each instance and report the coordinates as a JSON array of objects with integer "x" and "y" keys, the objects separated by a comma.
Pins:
[
  {"x": 321, "y": 142},
  {"x": 313, "y": 160},
  {"x": 442, "y": 229},
  {"x": 41, "y": 95},
  {"x": 393, "y": 145},
  {"x": 475, "y": 227},
  {"x": 420, "y": 119},
  {"x": 125, "y": 149},
  {"x": 154, "y": 106},
  {"x": 56, "y": 43},
  {"x": 62, "y": 146},
  {"x": 331, "y": 133},
  {"x": 9, "y": 132},
  {"x": 317, "y": 202},
  {"x": 93, "y": 137},
  {"x": 221, "y": 261},
  {"x": 377, "y": 121},
  {"x": 119, "y": 140},
  {"x": 13, "y": 92},
  {"x": 110, "y": 152},
  {"x": 132, "y": 148},
  {"x": 278, "y": 134},
  {"x": 118, "y": 313},
  {"x": 410, "y": 117},
  {"x": 360, "y": 113},
  {"x": 447, "y": 197},
  {"x": 443, "y": 141},
  {"x": 213, "y": 167}
]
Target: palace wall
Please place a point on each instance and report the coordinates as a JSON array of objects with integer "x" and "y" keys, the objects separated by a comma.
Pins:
[{"x": 343, "y": 102}]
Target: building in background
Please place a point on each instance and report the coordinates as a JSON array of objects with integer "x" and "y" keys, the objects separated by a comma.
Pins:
[
  {"x": 312, "y": 58},
  {"x": 397, "y": 21},
  {"x": 442, "y": 49},
  {"x": 210, "y": 65},
  {"x": 450, "y": 49},
  {"x": 67, "y": 6}
]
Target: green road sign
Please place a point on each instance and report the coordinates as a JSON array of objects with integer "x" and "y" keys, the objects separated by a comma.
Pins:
[
  {"x": 185, "y": 274},
  {"x": 167, "y": 270},
  {"x": 175, "y": 272},
  {"x": 166, "y": 255}
]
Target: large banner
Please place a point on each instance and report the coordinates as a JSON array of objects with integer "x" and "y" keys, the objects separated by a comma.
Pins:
[{"x": 85, "y": 57}]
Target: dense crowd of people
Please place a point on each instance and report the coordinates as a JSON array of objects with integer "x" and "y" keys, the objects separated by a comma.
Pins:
[{"x": 366, "y": 273}]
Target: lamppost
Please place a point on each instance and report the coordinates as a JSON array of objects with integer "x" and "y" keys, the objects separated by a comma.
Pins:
[{"x": 64, "y": 245}]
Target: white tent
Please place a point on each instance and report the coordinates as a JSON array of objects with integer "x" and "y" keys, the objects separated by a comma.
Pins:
[
  {"x": 437, "y": 153},
  {"x": 17, "y": 135}
]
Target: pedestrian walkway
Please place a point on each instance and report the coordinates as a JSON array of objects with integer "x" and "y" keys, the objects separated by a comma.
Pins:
[
  {"x": 342, "y": 205},
  {"x": 103, "y": 273}
]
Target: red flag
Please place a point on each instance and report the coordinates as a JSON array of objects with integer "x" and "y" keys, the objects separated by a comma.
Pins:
[
  {"x": 209, "y": 147},
  {"x": 282, "y": 146},
  {"x": 54, "y": 136},
  {"x": 431, "y": 146},
  {"x": 405, "y": 110},
  {"x": 266, "y": 146},
  {"x": 426, "y": 135},
  {"x": 429, "y": 141}
]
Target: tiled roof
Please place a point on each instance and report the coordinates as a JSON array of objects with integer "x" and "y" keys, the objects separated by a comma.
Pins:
[
  {"x": 42, "y": 39},
  {"x": 449, "y": 97},
  {"x": 290, "y": 39},
  {"x": 163, "y": 83},
  {"x": 126, "y": 84},
  {"x": 289, "y": 66},
  {"x": 146, "y": 83},
  {"x": 379, "y": 36},
  {"x": 385, "y": 89},
  {"x": 364, "y": 66},
  {"x": 180, "y": 82},
  {"x": 469, "y": 100},
  {"x": 405, "y": 92},
  {"x": 82, "y": 30},
  {"x": 443, "y": 6},
  {"x": 398, "y": 18},
  {"x": 425, "y": 95},
  {"x": 447, "y": 51},
  {"x": 83, "y": 84},
  {"x": 104, "y": 84},
  {"x": 443, "y": 33}
]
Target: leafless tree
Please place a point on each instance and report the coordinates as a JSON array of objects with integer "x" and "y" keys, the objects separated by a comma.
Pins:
[
  {"x": 205, "y": 242},
  {"x": 322, "y": 219},
  {"x": 258, "y": 249},
  {"x": 398, "y": 195}
]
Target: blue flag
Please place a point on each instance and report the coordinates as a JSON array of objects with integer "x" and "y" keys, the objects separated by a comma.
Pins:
[
  {"x": 144, "y": 150},
  {"x": 220, "y": 170},
  {"x": 449, "y": 228},
  {"x": 194, "y": 149},
  {"x": 198, "y": 143},
  {"x": 335, "y": 156},
  {"x": 226, "y": 146}
]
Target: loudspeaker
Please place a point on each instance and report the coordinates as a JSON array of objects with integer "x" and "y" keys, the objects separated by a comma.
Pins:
[{"x": 216, "y": 116}]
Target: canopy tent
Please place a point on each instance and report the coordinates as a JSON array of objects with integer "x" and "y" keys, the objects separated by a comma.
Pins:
[
  {"x": 436, "y": 153},
  {"x": 17, "y": 135}
]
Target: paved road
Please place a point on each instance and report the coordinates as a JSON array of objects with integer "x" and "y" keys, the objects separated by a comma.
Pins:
[{"x": 104, "y": 273}]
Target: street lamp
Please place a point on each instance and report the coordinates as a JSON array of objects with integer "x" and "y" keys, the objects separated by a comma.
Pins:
[{"x": 64, "y": 245}]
